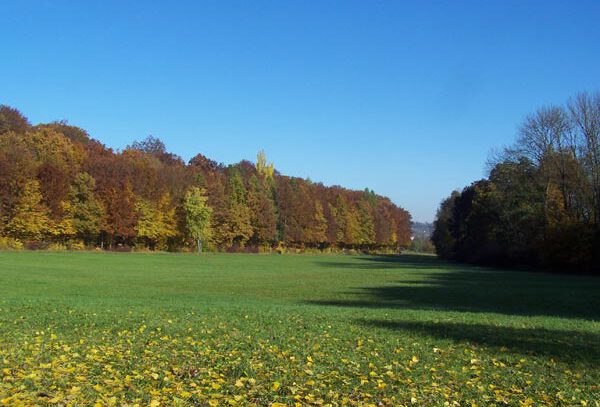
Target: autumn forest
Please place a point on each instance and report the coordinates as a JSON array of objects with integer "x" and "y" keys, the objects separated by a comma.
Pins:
[{"x": 60, "y": 188}]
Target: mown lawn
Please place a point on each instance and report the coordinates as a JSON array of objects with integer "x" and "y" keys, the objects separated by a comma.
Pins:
[{"x": 170, "y": 329}]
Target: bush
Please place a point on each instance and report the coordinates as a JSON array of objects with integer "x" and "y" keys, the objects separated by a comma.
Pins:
[
  {"x": 8, "y": 243},
  {"x": 56, "y": 247},
  {"x": 76, "y": 245}
]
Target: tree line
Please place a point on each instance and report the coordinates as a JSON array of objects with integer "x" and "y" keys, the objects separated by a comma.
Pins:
[
  {"x": 540, "y": 204},
  {"x": 61, "y": 188}
]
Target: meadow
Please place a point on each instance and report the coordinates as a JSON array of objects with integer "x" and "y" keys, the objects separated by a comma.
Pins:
[{"x": 173, "y": 329}]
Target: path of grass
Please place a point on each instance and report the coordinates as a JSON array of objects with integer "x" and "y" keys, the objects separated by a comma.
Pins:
[{"x": 165, "y": 329}]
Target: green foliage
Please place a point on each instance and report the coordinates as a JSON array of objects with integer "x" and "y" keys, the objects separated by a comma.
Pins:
[
  {"x": 84, "y": 209},
  {"x": 540, "y": 205},
  {"x": 443, "y": 238},
  {"x": 422, "y": 244},
  {"x": 198, "y": 216}
]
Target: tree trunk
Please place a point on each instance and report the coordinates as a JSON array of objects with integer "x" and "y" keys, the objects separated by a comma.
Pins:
[{"x": 199, "y": 246}]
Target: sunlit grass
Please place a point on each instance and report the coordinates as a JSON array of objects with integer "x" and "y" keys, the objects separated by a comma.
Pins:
[{"x": 165, "y": 329}]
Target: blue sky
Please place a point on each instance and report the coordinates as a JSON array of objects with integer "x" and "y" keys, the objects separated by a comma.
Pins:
[{"x": 405, "y": 98}]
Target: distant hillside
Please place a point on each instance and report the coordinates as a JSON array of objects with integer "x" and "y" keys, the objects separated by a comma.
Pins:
[{"x": 423, "y": 229}]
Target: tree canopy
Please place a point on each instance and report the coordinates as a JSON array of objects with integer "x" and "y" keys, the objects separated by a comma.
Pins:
[
  {"x": 58, "y": 184},
  {"x": 540, "y": 204}
]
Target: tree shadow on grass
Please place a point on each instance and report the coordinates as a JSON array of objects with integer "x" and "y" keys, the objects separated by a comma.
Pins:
[
  {"x": 572, "y": 347},
  {"x": 432, "y": 284},
  {"x": 405, "y": 261}
]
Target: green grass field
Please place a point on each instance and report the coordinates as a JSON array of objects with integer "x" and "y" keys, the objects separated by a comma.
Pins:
[{"x": 170, "y": 329}]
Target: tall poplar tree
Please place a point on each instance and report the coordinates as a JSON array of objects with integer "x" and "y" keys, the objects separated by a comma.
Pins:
[
  {"x": 198, "y": 216},
  {"x": 238, "y": 214}
]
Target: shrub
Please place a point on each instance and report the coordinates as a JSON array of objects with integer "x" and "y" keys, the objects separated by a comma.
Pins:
[
  {"x": 56, "y": 247},
  {"x": 8, "y": 243},
  {"x": 76, "y": 245}
]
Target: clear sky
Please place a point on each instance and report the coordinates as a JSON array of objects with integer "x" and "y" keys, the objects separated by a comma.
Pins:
[{"x": 405, "y": 98}]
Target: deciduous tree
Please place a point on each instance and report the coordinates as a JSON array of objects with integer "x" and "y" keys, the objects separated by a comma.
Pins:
[
  {"x": 85, "y": 210},
  {"x": 198, "y": 216},
  {"x": 30, "y": 217}
]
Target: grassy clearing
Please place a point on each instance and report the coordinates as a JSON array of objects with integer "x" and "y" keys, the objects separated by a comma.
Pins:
[{"x": 167, "y": 329}]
